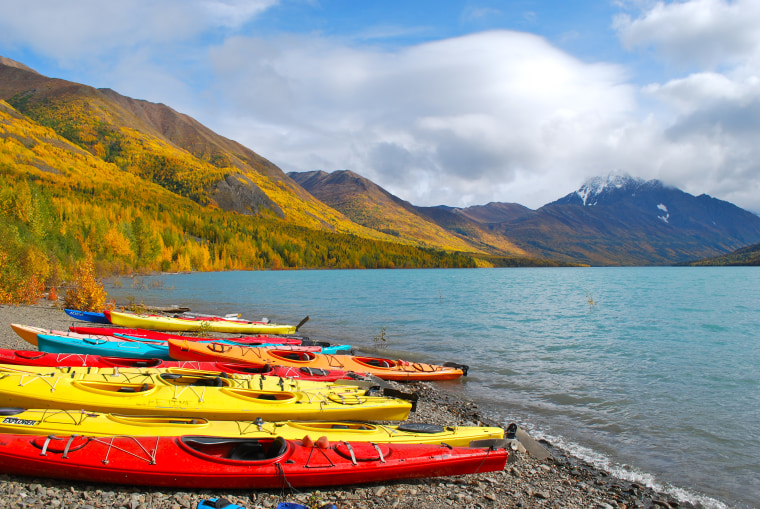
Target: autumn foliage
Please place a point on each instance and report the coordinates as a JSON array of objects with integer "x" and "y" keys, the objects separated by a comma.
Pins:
[
  {"x": 86, "y": 293},
  {"x": 138, "y": 206}
]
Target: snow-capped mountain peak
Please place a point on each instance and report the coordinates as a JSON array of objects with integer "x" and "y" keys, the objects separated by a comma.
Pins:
[{"x": 590, "y": 192}]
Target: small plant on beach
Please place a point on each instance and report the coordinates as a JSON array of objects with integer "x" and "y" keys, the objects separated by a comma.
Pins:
[
  {"x": 86, "y": 292},
  {"x": 380, "y": 341},
  {"x": 136, "y": 307},
  {"x": 590, "y": 299},
  {"x": 315, "y": 500},
  {"x": 205, "y": 329}
]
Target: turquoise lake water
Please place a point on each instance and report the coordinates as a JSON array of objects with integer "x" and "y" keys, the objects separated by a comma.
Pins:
[{"x": 651, "y": 373}]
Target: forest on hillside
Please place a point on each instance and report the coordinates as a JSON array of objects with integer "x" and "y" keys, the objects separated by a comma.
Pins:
[{"x": 59, "y": 204}]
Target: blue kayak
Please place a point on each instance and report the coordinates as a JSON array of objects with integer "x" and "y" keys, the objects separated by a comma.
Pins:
[
  {"x": 87, "y": 316},
  {"x": 122, "y": 346},
  {"x": 107, "y": 348}
]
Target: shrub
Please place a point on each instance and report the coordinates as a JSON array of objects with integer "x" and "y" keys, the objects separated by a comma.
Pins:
[{"x": 86, "y": 293}]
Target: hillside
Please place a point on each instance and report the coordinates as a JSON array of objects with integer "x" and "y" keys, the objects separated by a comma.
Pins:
[
  {"x": 369, "y": 205},
  {"x": 75, "y": 182},
  {"x": 747, "y": 256},
  {"x": 171, "y": 149}
]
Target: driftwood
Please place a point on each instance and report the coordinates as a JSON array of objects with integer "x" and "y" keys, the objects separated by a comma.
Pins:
[{"x": 157, "y": 309}]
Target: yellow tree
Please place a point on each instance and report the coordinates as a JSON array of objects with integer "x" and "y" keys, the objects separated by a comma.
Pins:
[{"x": 86, "y": 293}]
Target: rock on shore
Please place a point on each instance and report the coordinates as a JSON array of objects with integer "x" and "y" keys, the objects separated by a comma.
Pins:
[{"x": 559, "y": 481}]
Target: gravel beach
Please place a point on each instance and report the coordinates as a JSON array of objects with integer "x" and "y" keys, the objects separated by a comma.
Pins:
[{"x": 559, "y": 481}]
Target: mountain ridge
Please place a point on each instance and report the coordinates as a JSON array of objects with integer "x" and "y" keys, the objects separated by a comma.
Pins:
[
  {"x": 617, "y": 220},
  {"x": 370, "y": 205}
]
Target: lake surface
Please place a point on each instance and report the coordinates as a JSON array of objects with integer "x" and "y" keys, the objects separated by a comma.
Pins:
[{"x": 651, "y": 373}]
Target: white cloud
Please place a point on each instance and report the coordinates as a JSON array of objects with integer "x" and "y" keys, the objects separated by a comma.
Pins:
[
  {"x": 474, "y": 112},
  {"x": 711, "y": 116},
  {"x": 73, "y": 32},
  {"x": 491, "y": 116},
  {"x": 706, "y": 33}
]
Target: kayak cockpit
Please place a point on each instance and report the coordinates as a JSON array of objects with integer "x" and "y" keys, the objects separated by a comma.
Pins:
[
  {"x": 126, "y": 362},
  {"x": 248, "y": 369},
  {"x": 236, "y": 449},
  {"x": 196, "y": 380},
  {"x": 376, "y": 362},
  {"x": 293, "y": 356}
]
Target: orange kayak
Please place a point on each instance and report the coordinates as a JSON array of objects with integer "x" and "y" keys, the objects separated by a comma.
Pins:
[{"x": 387, "y": 369}]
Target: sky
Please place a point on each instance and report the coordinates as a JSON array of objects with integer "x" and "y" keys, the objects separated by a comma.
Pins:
[{"x": 440, "y": 102}]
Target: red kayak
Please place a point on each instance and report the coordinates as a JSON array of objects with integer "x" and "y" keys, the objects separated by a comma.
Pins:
[
  {"x": 203, "y": 462},
  {"x": 163, "y": 336},
  {"x": 35, "y": 358}
]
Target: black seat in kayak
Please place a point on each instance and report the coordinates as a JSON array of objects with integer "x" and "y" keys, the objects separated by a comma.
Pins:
[
  {"x": 421, "y": 427},
  {"x": 254, "y": 450},
  {"x": 248, "y": 451},
  {"x": 209, "y": 382},
  {"x": 277, "y": 448},
  {"x": 314, "y": 371},
  {"x": 142, "y": 388},
  {"x": 379, "y": 363}
]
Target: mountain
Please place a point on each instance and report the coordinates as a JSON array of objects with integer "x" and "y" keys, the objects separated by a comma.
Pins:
[
  {"x": 495, "y": 212},
  {"x": 144, "y": 187},
  {"x": 157, "y": 143},
  {"x": 620, "y": 220},
  {"x": 369, "y": 205},
  {"x": 137, "y": 186}
]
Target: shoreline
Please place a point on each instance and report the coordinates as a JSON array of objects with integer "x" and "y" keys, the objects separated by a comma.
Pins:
[{"x": 558, "y": 481}]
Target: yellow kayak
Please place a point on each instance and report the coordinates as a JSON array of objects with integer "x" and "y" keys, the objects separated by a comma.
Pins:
[
  {"x": 187, "y": 376},
  {"x": 171, "y": 394},
  {"x": 212, "y": 324},
  {"x": 79, "y": 422}
]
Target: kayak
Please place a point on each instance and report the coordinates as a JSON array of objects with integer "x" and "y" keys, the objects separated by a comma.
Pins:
[
  {"x": 202, "y": 462},
  {"x": 87, "y": 316},
  {"x": 37, "y": 358},
  {"x": 183, "y": 377},
  {"x": 127, "y": 346},
  {"x": 107, "y": 346},
  {"x": 158, "y": 335},
  {"x": 169, "y": 323},
  {"x": 386, "y": 369},
  {"x": 193, "y": 395},
  {"x": 29, "y": 334},
  {"x": 79, "y": 422},
  {"x": 64, "y": 342}
]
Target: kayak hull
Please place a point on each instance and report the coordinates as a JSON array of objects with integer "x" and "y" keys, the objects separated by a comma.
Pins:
[
  {"x": 78, "y": 422},
  {"x": 386, "y": 369},
  {"x": 193, "y": 394},
  {"x": 158, "y": 335},
  {"x": 87, "y": 316},
  {"x": 168, "y": 323},
  {"x": 40, "y": 359},
  {"x": 227, "y": 463},
  {"x": 108, "y": 346}
]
